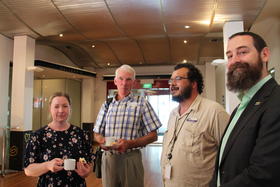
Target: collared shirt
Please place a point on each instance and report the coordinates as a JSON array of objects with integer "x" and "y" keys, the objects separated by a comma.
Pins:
[
  {"x": 246, "y": 98},
  {"x": 194, "y": 152},
  {"x": 129, "y": 118}
]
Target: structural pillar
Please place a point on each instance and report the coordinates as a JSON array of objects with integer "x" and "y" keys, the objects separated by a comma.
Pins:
[
  {"x": 22, "y": 83},
  {"x": 231, "y": 27},
  {"x": 6, "y": 55}
]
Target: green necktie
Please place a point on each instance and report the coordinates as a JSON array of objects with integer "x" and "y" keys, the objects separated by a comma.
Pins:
[{"x": 241, "y": 107}]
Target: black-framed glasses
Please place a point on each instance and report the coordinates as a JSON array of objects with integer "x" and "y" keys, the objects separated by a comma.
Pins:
[{"x": 176, "y": 79}]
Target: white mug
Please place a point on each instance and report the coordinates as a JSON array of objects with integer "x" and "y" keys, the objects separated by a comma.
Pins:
[
  {"x": 109, "y": 141},
  {"x": 69, "y": 164}
]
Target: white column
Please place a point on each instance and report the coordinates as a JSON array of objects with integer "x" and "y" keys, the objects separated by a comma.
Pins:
[
  {"x": 88, "y": 100},
  {"x": 22, "y": 84},
  {"x": 210, "y": 81},
  {"x": 229, "y": 29},
  {"x": 6, "y": 54}
]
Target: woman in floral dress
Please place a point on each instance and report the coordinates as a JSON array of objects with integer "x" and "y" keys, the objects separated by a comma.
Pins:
[{"x": 59, "y": 140}]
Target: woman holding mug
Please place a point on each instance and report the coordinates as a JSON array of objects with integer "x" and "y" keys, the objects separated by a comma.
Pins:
[{"x": 49, "y": 146}]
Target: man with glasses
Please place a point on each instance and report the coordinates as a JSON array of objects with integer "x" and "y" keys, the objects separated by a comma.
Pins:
[{"x": 194, "y": 131}]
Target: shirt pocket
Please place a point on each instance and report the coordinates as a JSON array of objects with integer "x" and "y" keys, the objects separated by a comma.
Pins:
[
  {"x": 191, "y": 146},
  {"x": 132, "y": 110}
]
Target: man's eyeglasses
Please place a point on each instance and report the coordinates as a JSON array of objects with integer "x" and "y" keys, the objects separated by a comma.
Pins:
[{"x": 176, "y": 79}]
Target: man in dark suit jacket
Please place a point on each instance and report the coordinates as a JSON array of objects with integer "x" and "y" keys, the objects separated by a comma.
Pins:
[{"x": 249, "y": 154}]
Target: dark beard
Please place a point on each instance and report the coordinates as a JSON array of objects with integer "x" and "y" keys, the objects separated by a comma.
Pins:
[
  {"x": 185, "y": 94},
  {"x": 244, "y": 77}
]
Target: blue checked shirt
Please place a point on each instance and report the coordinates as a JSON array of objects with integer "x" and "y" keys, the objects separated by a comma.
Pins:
[{"x": 129, "y": 118}]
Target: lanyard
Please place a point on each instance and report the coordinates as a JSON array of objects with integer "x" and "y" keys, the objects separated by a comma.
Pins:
[{"x": 175, "y": 136}]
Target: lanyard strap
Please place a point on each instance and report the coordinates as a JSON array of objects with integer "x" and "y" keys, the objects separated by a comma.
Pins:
[{"x": 175, "y": 136}]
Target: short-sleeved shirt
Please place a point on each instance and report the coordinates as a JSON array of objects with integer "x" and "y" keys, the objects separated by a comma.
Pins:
[
  {"x": 129, "y": 118},
  {"x": 198, "y": 131},
  {"x": 46, "y": 144}
]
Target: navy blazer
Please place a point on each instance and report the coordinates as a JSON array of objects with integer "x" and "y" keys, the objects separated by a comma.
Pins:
[{"x": 251, "y": 156}]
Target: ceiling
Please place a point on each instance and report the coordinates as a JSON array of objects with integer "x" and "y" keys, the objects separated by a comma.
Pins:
[{"x": 135, "y": 32}]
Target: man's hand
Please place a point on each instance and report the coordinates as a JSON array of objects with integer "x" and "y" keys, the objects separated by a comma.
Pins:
[{"x": 122, "y": 145}]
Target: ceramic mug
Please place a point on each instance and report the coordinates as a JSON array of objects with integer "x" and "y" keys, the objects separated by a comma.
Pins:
[{"x": 69, "y": 164}]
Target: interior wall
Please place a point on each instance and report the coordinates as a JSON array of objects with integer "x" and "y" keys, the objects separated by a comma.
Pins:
[
  {"x": 73, "y": 88},
  {"x": 37, "y": 104},
  {"x": 210, "y": 81},
  {"x": 88, "y": 98},
  {"x": 268, "y": 26},
  {"x": 269, "y": 29},
  {"x": 220, "y": 84}
]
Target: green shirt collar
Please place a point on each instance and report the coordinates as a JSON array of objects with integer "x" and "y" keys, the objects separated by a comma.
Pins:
[{"x": 252, "y": 91}]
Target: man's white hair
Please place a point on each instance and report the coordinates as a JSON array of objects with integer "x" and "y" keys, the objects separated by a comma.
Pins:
[{"x": 126, "y": 68}]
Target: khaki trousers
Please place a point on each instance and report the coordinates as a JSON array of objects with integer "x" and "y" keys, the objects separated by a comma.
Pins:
[{"x": 122, "y": 170}]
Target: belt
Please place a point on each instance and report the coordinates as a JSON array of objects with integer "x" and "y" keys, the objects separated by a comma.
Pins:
[{"x": 113, "y": 152}]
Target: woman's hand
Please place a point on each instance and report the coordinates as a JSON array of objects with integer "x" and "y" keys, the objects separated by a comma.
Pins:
[
  {"x": 55, "y": 165},
  {"x": 38, "y": 169},
  {"x": 83, "y": 169}
]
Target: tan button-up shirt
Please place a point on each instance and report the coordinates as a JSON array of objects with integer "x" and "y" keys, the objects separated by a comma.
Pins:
[{"x": 198, "y": 131}]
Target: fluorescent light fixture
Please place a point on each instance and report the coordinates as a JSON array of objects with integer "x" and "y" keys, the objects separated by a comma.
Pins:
[
  {"x": 218, "y": 62},
  {"x": 203, "y": 22}
]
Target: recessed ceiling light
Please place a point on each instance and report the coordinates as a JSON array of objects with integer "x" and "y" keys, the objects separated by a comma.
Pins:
[
  {"x": 61, "y": 35},
  {"x": 184, "y": 61},
  {"x": 187, "y": 26},
  {"x": 93, "y": 46},
  {"x": 185, "y": 41}
]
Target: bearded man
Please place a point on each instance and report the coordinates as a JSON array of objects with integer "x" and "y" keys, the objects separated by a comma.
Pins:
[
  {"x": 194, "y": 131},
  {"x": 249, "y": 154}
]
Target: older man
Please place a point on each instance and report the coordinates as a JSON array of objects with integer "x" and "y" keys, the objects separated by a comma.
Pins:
[
  {"x": 249, "y": 155},
  {"x": 132, "y": 121}
]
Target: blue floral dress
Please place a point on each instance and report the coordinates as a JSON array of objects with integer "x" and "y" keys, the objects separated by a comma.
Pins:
[{"x": 46, "y": 144}]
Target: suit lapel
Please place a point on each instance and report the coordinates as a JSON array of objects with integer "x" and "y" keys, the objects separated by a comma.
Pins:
[{"x": 256, "y": 103}]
